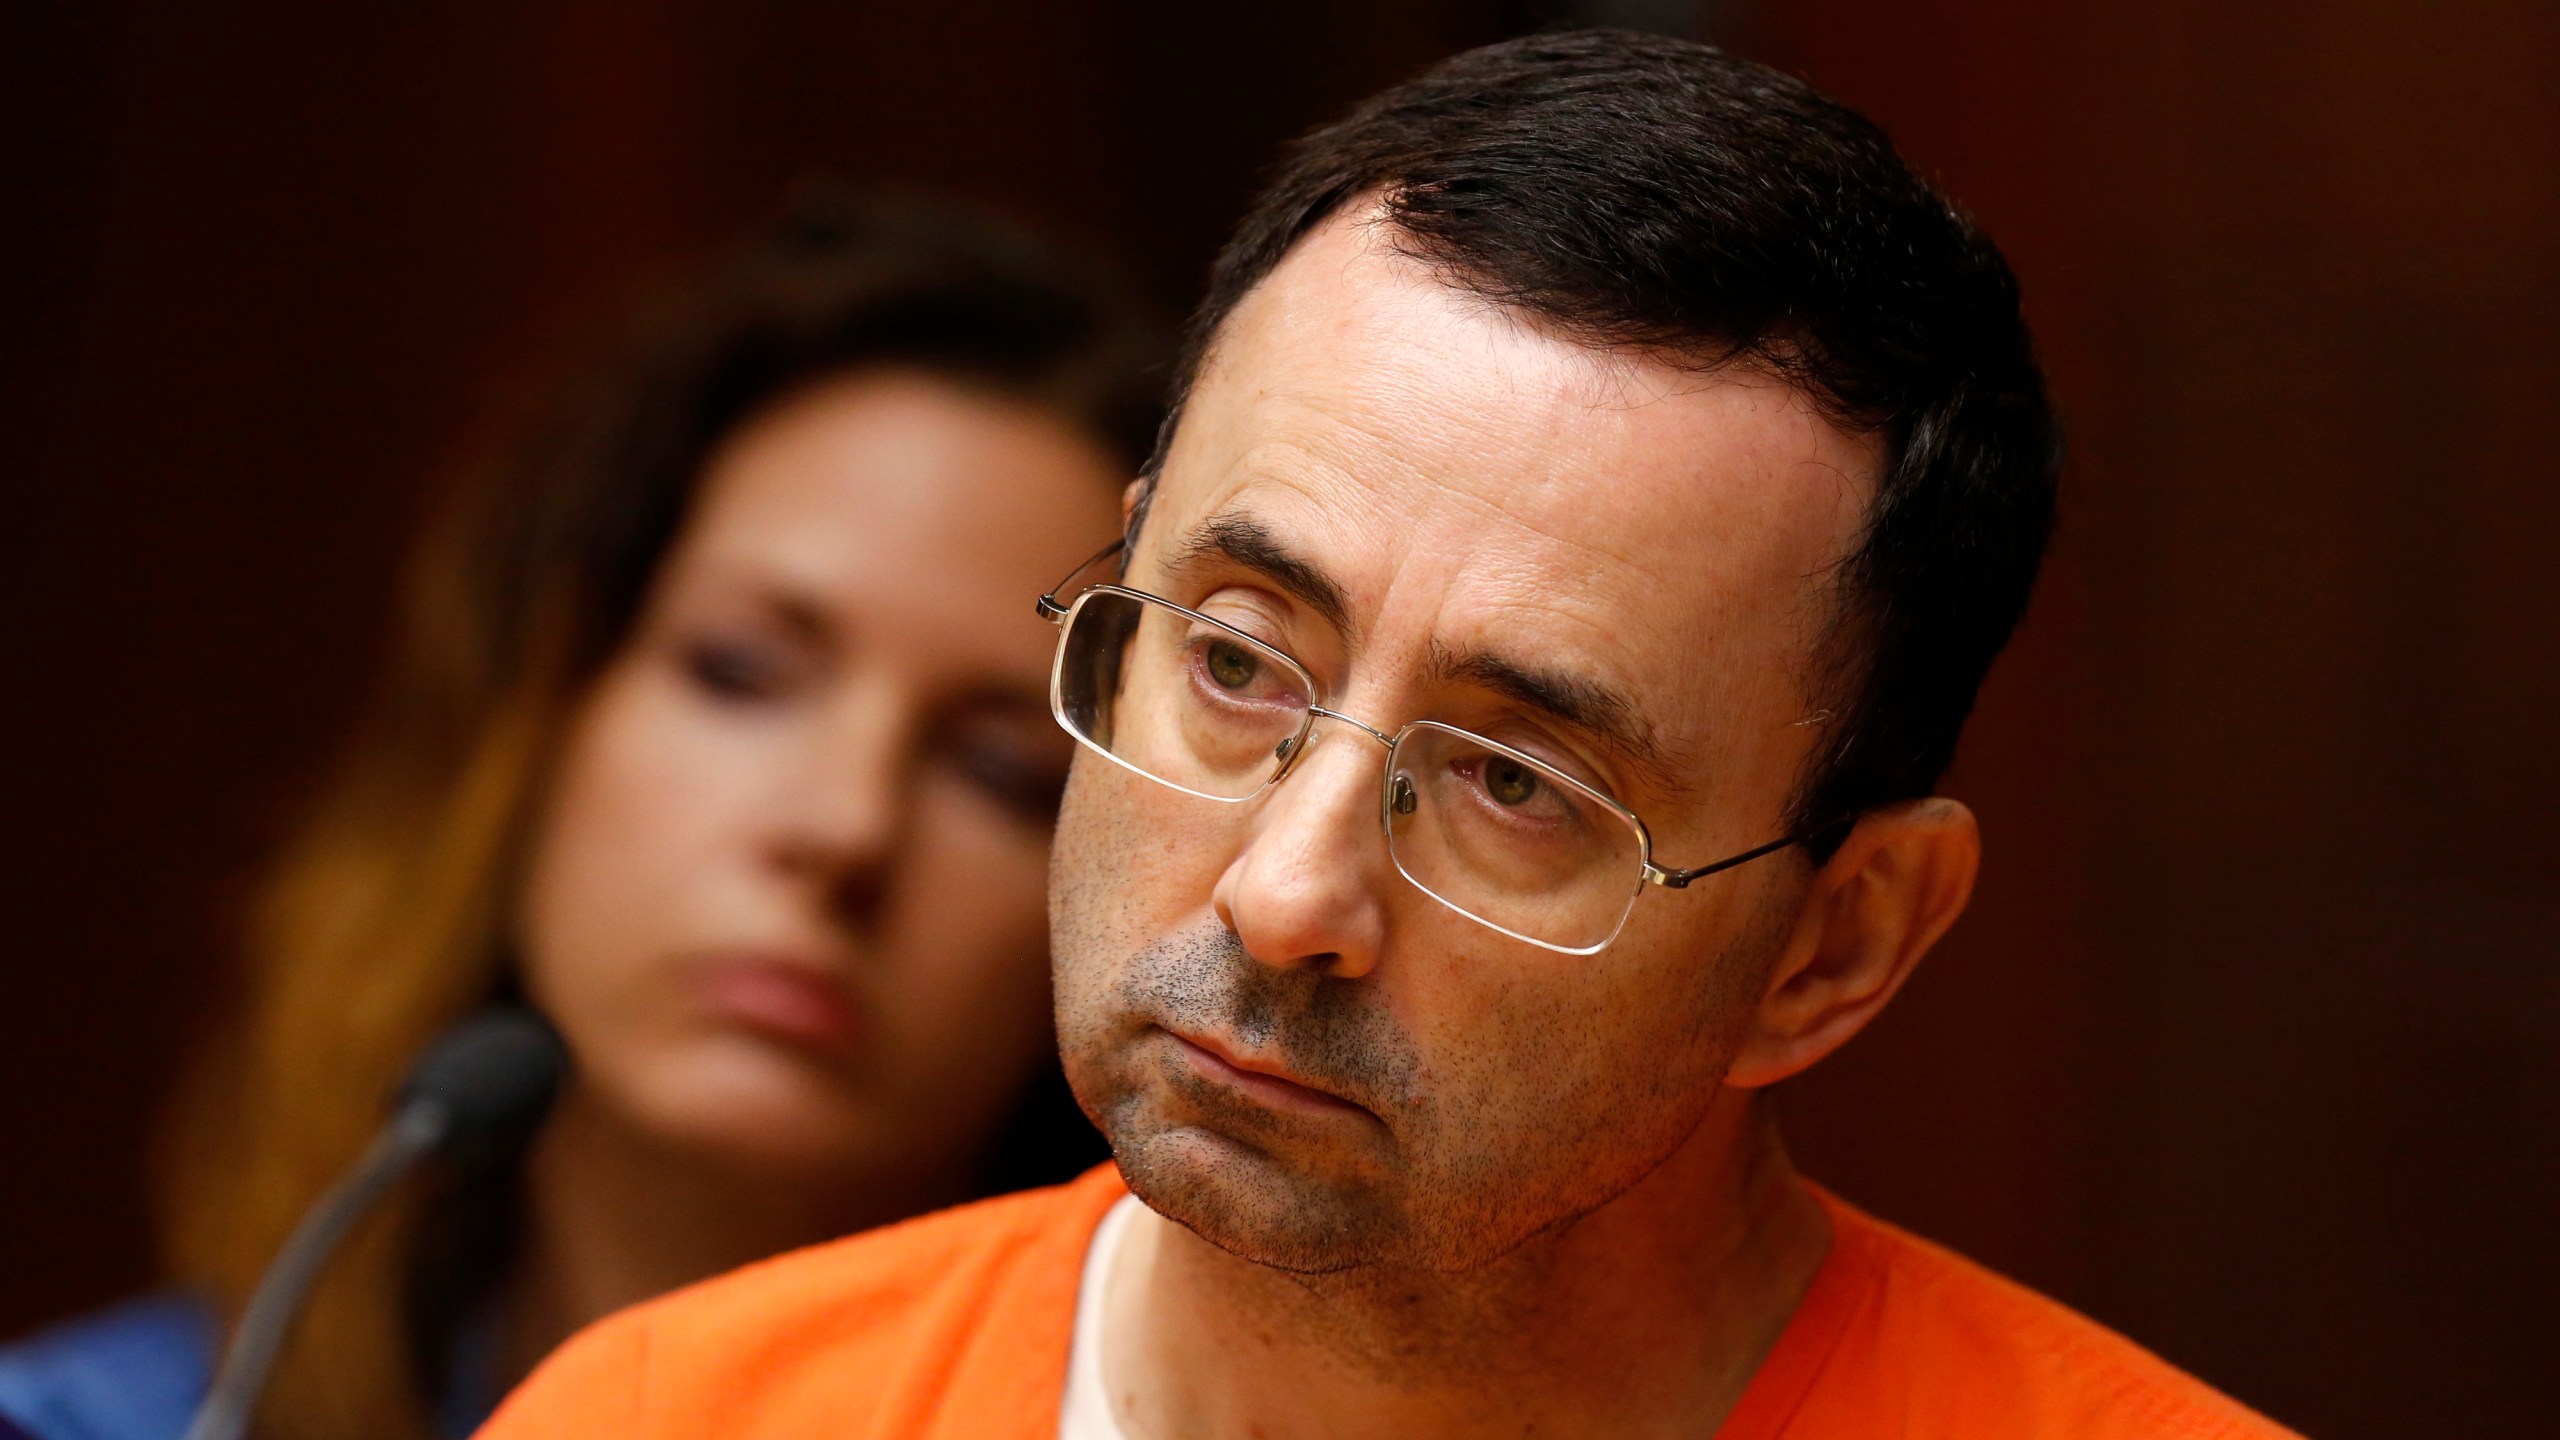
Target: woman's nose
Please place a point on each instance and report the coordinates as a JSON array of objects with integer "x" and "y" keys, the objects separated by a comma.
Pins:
[{"x": 839, "y": 811}]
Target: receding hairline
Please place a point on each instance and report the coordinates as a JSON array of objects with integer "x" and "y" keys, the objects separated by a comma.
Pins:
[{"x": 1773, "y": 359}]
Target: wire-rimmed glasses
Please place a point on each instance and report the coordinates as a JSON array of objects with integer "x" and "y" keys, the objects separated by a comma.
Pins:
[{"x": 1503, "y": 837}]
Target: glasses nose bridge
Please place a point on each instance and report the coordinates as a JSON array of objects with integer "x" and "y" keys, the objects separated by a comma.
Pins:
[
  {"x": 1296, "y": 749},
  {"x": 1363, "y": 726}
]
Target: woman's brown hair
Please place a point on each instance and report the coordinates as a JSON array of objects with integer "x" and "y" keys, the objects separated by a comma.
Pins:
[{"x": 387, "y": 915}]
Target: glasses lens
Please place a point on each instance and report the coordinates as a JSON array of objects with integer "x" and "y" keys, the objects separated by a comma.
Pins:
[
  {"x": 1179, "y": 699},
  {"x": 1509, "y": 840}
]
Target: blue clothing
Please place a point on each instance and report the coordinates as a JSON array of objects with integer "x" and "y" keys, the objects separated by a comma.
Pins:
[
  {"x": 137, "y": 1371},
  {"x": 133, "y": 1371}
]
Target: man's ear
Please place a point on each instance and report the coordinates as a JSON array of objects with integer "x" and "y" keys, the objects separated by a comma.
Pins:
[
  {"x": 1129, "y": 500},
  {"x": 1894, "y": 886}
]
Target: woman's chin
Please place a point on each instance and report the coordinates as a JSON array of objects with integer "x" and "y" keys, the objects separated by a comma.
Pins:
[{"x": 762, "y": 1112}]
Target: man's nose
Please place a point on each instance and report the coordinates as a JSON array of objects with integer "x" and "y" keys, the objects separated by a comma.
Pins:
[
  {"x": 839, "y": 809},
  {"x": 1308, "y": 888}
]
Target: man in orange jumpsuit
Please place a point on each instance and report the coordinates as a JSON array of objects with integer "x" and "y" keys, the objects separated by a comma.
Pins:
[{"x": 1601, "y": 476}]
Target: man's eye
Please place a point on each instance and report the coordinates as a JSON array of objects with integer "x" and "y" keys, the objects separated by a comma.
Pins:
[
  {"x": 1509, "y": 782},
  {"x": 1232, "y": 665}
]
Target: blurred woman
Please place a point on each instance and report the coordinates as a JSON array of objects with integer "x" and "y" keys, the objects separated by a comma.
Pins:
[{"x": 719, "y": 732}]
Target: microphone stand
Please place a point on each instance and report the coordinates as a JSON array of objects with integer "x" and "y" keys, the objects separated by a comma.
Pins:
[
  {"x": 413, "y": 1132},
  {"x": 480, "y": 1088}
]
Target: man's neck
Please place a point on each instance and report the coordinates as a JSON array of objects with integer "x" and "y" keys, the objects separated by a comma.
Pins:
[{"x": 1649, "y": 1315}]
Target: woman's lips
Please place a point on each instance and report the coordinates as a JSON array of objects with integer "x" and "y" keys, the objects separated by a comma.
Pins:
[
  {"x": 789, "y": 1000},
  {"x": 1278, "y": 1091}
]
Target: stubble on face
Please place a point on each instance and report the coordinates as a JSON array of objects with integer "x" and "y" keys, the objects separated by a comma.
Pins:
[
  {"x": 1284, "y": 1190},
  {"x": 1469, "y": 1148}
]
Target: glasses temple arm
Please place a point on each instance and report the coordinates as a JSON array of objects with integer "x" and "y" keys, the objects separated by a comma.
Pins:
[
  {"x": 1680, "y": 879},
  {"x": 1047, "y": 606}
]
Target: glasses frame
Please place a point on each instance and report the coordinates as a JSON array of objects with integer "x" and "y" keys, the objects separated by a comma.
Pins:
[{"x": 1669, "y": 877}]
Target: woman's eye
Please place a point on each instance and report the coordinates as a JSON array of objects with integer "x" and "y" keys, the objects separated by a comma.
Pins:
[
  {"x": 1021, "y": 767},
  {"x": 1509, "y": 782},
  {"x": 1232, "y": 665},
  {"x": 731, "y": 671},
  {"x": 1029, "y": 787}
]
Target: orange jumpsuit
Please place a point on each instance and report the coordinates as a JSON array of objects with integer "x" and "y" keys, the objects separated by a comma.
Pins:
[{"x": 956, "y": 1326}]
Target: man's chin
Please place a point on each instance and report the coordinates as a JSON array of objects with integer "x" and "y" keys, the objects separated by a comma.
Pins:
[{"x": 1254, "y": 1203}]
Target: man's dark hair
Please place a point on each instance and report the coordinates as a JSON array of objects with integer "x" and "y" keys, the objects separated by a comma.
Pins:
[{"x": 1656, "y": 195}]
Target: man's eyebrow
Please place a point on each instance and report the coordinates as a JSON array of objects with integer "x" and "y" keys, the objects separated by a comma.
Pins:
[
  {"x": 1587, "y": 705},
  {"x": 1242, "y": 540}
]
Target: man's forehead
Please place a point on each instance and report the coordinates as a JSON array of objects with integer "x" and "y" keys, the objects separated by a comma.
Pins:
[
  {"x": 1348, "y": 317},
  {"x": 1360, "y": 390}
]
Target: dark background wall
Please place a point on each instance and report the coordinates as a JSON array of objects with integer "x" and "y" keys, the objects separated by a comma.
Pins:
[{"x": 2249, "y": 1046}]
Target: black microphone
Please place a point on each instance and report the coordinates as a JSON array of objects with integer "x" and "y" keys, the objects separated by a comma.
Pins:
[{"x": 479, "y": 1091}]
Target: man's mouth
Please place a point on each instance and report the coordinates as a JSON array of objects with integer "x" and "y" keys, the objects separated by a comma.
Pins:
[{"x": 1262, "y": 1080}]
